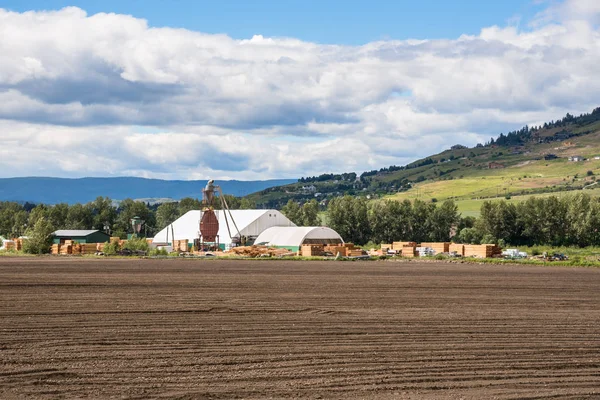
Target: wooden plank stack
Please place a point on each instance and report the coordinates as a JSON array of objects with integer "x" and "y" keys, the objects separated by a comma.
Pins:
[
  {"x": 258, "y": 251},
  {"x": 480, "y": 250},
  {"x": 409, "y": 250},
  {"x": 400, "y": 245},
  {"x": 312, "y": 250},
  {"x": 65, "y": 249},
  {"x": 181, "y": 245},
  {"x": 386, "y": 246},
  {"x": 88, "y": 248},
  {"x": 55, "y": 249},
  {"x": 356, "y": 252},
  {"x": 336, "y": 249},
  {"x": 457, "y": 248},
  {"x": 19, "y": 244}
]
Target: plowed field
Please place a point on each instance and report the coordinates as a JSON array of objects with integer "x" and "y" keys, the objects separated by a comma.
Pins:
[{"x": 94, "y": 328}]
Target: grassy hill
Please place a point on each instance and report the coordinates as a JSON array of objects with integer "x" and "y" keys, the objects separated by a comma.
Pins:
[{"x": 512, "y": 165}]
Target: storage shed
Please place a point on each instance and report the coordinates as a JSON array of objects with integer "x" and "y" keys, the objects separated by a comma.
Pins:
[
  {"x": 292, "y": 238},
  {"x": 80, "y": 236},
  {"x": 251, "y": 224}
]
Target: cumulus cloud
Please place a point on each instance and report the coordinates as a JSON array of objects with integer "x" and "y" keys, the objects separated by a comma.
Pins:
[{"x": 106, "y": 94}]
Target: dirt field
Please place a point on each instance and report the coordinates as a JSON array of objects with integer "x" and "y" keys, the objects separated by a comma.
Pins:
[{"x": 76, "y": 328}]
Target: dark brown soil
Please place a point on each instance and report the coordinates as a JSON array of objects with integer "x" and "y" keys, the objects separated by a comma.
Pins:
[{"x": 93, "y": 328}]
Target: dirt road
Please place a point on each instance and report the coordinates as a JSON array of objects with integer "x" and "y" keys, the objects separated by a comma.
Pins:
[{"x": 76, "y": 328}]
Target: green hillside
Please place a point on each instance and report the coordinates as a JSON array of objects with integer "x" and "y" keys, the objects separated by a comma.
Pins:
[{"x": 528, "y": 161}]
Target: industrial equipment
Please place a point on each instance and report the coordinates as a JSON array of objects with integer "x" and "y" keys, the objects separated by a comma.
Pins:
[{"x": 209, "y": 222}]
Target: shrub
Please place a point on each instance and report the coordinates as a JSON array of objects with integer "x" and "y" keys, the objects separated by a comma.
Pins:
[
  {"x": 159, "y": 252},
  {"x": 111, "y": 248},
  {"x": 136, "y": 244}
]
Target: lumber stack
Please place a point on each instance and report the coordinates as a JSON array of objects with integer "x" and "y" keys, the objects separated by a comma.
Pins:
[
  {"x": 19, "y": 244},
  {"x": 10, "y": 245},
  {"x": 312, "y": 250},
  {"x": 65, "y": 249},
  {"x": 438, "y": 247},
  {"x": 336, "y": 249},
  {"x": 55, "y": 249},
  {"x": 400, "y": 245},
  {"x": 258, "y": 251},
  {"x": 480, "y": 250},
  {"x": 386, "y": 246},
  {"x": 409, "y": 250},
  {"x": 181, "y": 245},
  {"x": 356, "y": 253},
  {"x": 89, "y": 248},
  {"x": 457, "y": 248}
]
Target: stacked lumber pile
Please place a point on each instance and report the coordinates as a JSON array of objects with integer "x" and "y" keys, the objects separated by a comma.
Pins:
[
  {"x": 438, "y": 247},
  {"x": 481, "y": 250},
  {"x": 18, "y": 244},
  {"x": 181, "y": 245},
  {"x": 356, "y": 253},
  {"x": 385, "y": 247},
  {"x": 409, "y": 250},
  {"x": 312, "y": 250},
  {"x": 88, "y": 248},
  {"x": 457, "y": 248},
  {"x": 55, "y": 249},
  {"x": 100, "y": 246},
  {"x": 65, "y": 249},
  {"x": 343, "y": 250},
  {"x": 400, "y": 245},
  {"x": 10, "y": 245},
  {"x": 258, "y": 251}
]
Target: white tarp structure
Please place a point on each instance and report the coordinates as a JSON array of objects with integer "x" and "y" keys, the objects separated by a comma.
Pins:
[
  {"x": 251, "y": 223},
  {"x": 294, "y": 237}
]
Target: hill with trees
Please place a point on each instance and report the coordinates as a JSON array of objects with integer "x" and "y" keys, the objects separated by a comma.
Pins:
[{"x": 530, "y": 160}]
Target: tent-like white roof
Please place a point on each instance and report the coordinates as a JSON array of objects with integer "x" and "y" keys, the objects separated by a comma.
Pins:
[
  {"x": 251, "y": 223},
  {"x": 295, "y": 236}
]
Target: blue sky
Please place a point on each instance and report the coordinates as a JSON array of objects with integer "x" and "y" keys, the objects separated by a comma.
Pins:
[
  {"x": 326, "y": 21},
  {"x": 280, "y": 89}
]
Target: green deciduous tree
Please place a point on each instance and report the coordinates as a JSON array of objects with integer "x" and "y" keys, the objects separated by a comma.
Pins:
[
  {"x": 39, "y": 237},
  {"x": 348, "y": 216},
  {"x": 310, "y": 213},
  {"x": 293, "y": 211},
  {"x": 166, "y": 213}
]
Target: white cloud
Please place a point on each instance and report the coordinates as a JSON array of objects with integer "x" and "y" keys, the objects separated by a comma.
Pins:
[{"x": 75, "y": 89}]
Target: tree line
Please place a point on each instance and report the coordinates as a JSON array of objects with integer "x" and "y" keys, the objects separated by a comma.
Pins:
[
  {"x": 570, "y": 220},
  {"x": 360, "y": 221},
  {"x": 101, "y": 214}
]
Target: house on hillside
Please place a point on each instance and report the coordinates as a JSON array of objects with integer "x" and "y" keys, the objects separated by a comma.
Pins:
[
  {"x": 576, "y": 158},
  {"x": 309, "y": 189},
  {"x": 495, "y": 165}
]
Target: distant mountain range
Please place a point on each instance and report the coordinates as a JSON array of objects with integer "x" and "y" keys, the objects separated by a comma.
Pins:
[{"x": 83, "y": 190}]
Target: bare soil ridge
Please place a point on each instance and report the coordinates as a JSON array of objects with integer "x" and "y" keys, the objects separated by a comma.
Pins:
[{"x": 77, "y": 328}]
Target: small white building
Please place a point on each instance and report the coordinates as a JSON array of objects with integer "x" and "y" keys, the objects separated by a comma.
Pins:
[
  {"x": 576, "y": 158},
  {"x": 251, "y": 224}
]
